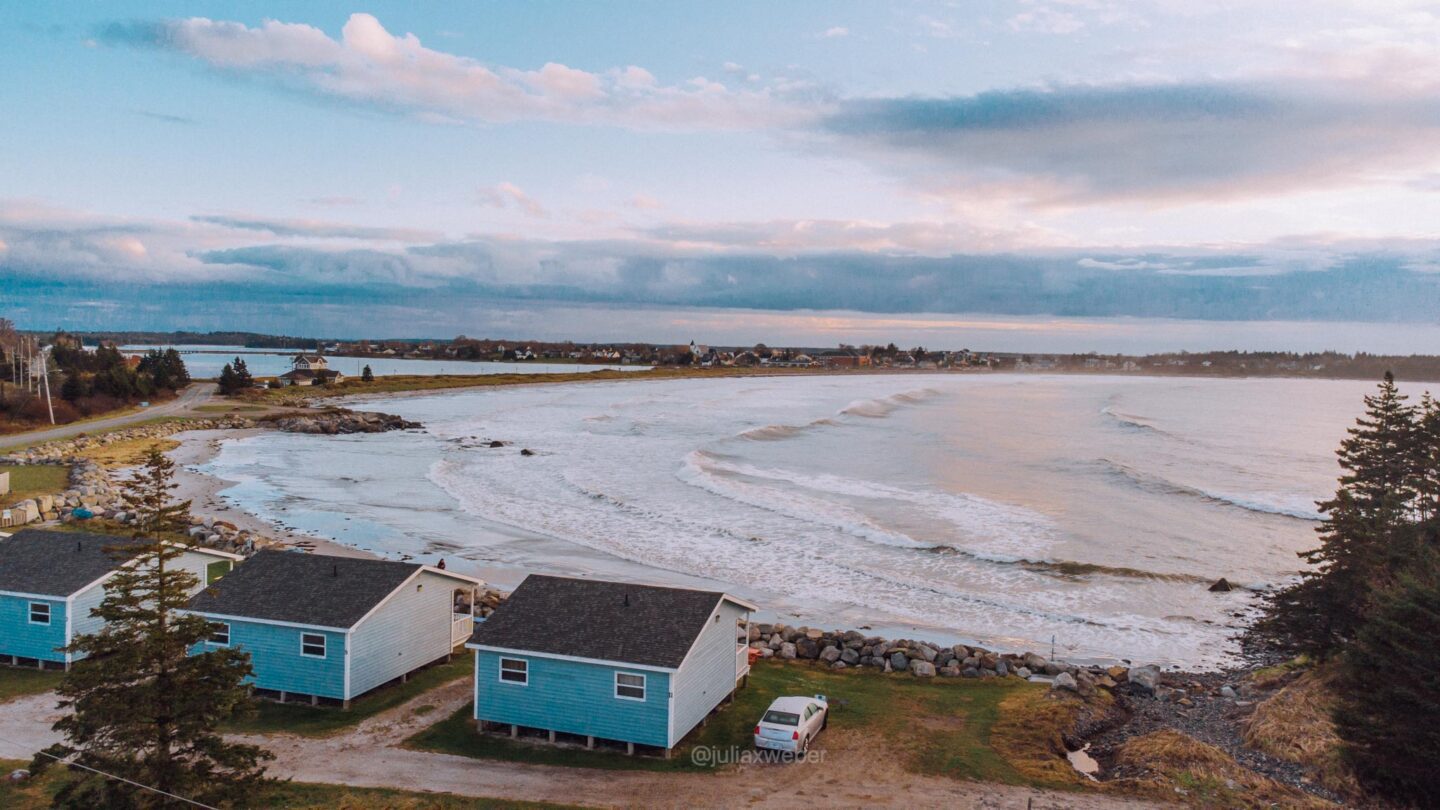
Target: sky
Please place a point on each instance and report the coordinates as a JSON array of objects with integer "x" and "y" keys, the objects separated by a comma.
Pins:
[{"x": 427, "y": 169}]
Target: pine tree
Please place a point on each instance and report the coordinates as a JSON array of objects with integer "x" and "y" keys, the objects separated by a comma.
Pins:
[
  {"x": 242, "y": 374},
  {"x": 229, "y": 380},
  {"x": 141, "y": 707},
  {"x": 366, "y": 375},
  {"x": 1367, "y": 534},
  {"x": 1390, "y": 721}
]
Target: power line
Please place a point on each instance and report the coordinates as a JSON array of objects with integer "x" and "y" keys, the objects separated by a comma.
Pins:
[{"x": 116, "y": 777}]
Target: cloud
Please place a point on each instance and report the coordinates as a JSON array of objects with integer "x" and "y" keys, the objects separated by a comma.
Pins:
[
  {"x": 167, "y": 117},
  {"x": 320, "y": 230},
  {"x": 369, "y": 65},
  {"x": 505, "y": 195},
  {"x": 1078, "y": 145},
  {"x": 835, "y": 32}
]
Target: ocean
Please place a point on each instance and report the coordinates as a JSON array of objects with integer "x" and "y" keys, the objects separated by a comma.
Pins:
[{"x": 1016, "y": 511}]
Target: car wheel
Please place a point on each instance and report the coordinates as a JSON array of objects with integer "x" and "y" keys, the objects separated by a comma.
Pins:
[
  {"x": 804, "y": 745},
  {"x": 825, "y": 721}
]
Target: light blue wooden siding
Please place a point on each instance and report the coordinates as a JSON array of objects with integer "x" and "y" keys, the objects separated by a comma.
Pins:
[
  {"x": 410, "y": 630},
  {"x": 90, "y": 598},
  {"x": 19, "y": 637},
  {"x": 573, "y": 697},
  {"x": 708, "y": 674},
  {"x": 275, "y": 655},
  {"x": 83, "y": 603}
]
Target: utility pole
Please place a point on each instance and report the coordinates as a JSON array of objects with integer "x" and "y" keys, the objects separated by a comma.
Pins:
[{"x": 45, "y": 375}]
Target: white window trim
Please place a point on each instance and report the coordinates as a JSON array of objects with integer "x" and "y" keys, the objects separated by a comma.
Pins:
[
  {"x": 324, "y": 645},
  {"x": 49, "y": 613},
  {"x": 644, "y": 686},
  {"x": 500, "y": 671},
  {"x": 210, "y": 639}
]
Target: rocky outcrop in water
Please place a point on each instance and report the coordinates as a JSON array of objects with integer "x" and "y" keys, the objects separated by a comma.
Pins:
[{"x": 343, "y": 422}]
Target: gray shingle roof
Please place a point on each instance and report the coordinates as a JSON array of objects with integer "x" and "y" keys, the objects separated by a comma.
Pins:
[
  {"x": 54, "y": 563},
  {"x": 609, "y": 621},
  {"x": 313, "y": 589}
]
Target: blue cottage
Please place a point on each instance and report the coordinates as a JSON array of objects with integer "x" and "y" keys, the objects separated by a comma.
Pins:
[
  {"x": 638, "y": 664},
  {"x": 323, "y": 628},
  {"x": 50, "y": 581}
]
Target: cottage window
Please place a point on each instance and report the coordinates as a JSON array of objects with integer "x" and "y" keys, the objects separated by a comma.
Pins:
[
  {"x": 312, "y": 645},
  {"x": 39, "y": 613},
  {"x": 629, "y": 686},
  {"x": 219, "y": 634},
  {"x": 515, "y": 670}
]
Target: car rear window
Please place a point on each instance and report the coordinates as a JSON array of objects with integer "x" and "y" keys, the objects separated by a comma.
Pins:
[{"x": 781, "y": 718}]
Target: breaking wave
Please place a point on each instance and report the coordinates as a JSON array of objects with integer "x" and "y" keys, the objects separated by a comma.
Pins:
[
  {"x": 1156, "y": 484},
  {"x": 882, "y": 407}
]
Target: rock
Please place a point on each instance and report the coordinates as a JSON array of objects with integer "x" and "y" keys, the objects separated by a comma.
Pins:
[
  {"x": 1221, "y": 585},
  {"x": 807, "y": 648},
  {"x": 850, "y": 656},
  {"x": 830, "y": 654},
  {"x": 1227, "y": 691},
  {"x": 497, "y": 443},
  {"x": 525, "y": 451},
  {"x": 1035, "y": 663},
  {"x": 1065, "y": 681},
  {"x": 926, "y": 653},
  {"x": 898, "y": 661},
  {"x": 1146, "y": 678},
  {"x": 839, "y": 665},
  {"x": 1023, "y": 672},
  {"x": 1118, "y": 673},
  {"x": 1001, "y": 668},
  {"x": 970, "y": 672},
  {"x": 922, "y": 669},
  {"x": 787, "y": 650}
]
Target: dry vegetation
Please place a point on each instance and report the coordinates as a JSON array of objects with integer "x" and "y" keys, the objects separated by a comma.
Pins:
[
  {"x": 129, "y": 452},
  {"x": 1294, "y": 725},
  {"x": 1030, "y": 730},
  {"x": 1170, "y": 765}
]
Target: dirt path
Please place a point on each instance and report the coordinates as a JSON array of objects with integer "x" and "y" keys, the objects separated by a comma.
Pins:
[{"x": 852, "y": 773}]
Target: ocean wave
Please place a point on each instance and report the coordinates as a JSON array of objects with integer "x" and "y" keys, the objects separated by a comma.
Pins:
[
  {"x": 1071, "y": 569},
  {"x": 1164, "y": 486},
  {"x": 882, "y": 407},
  {"x": 775, "y": 433}
]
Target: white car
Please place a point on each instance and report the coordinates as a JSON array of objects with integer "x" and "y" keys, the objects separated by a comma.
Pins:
[{"x": 791, "y": 723}]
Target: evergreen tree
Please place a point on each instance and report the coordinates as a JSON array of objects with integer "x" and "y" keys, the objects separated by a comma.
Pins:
[
  {"x": 141, "y": 707},
  {"x": 242, "y": 374},
  {"x": 74, "y": 388},
  {"x": 1366, "y": 536},
  {"x": 1390, "y": 722},
  {"x": 366, "y": 375},
  {"x": 229, "y": 380},
  {"x": 175, "y": 367}
]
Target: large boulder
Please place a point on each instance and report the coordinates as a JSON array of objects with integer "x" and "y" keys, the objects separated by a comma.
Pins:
[
  {"x": 925, "y": 652},
  {"x": 807, "y": 648},
  {"x": 830, "y": 654},
  {"x": 787, "y": 651},
  {"x": 898, "y": 661},
  {"x": 1147, "y": 678},
  {"x": 1065, "y": 681},
  {"x": 922, "y": 669},
  {"x": 850, "y": 656}
]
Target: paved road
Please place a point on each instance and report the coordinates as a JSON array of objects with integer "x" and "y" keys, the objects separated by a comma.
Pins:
[{"x": 193, "y": 395}]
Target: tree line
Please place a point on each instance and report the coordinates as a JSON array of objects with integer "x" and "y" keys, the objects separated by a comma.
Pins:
[{"x": 1369, "y": 605}]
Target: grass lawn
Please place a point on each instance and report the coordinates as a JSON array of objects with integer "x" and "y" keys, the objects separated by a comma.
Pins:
[
  {"x": 36, "y": 794},
  {"x": 29, "y": 480},
  {"x": 17, "y": 682},
  {"x": 938, "y": 726},
  {"x": 312, "y": 721}
]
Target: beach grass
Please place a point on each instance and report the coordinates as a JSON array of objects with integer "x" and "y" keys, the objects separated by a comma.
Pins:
[
  {"x": 18, "y": 682},
  {"x": 127, "y": 452},
  {"x": 29, "y": 480},
  {"x": 317, "y": 721},
  {"x": 935, "y": 726},
  {"x": 37, "y": 793}
]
